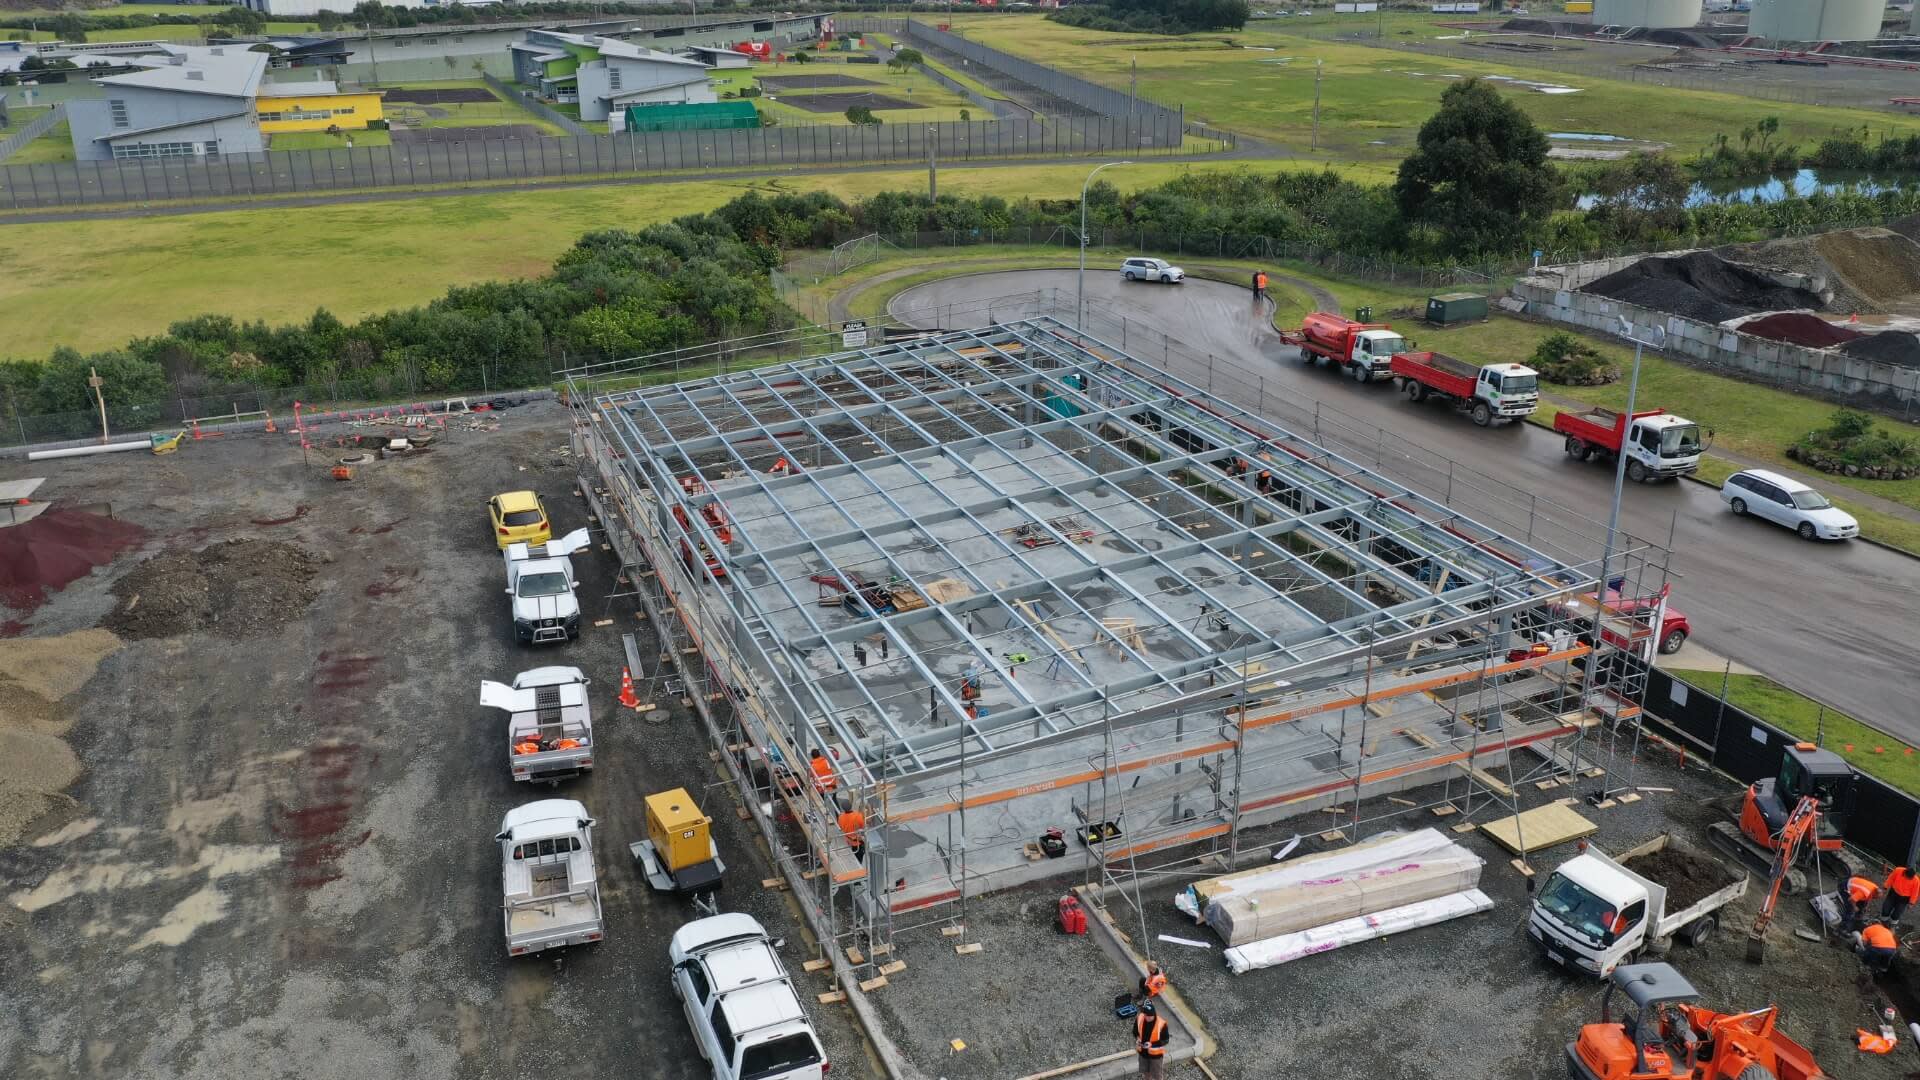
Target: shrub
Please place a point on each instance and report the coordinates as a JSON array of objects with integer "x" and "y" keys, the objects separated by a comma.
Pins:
[
  {"x": 1562, "y": 358},
  {"x": 1851, "y": 445}
]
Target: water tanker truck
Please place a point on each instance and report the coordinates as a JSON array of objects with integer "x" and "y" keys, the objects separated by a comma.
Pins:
[{"x": 1364, "y": 350}]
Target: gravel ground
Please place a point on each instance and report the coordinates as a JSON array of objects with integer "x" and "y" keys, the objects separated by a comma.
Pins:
[
  {"x": 278, "y": 861},
  {"x": 1474, "y": 997}
]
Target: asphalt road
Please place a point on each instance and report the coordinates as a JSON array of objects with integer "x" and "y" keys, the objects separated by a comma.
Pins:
[{"x": 1837, "y": 621}]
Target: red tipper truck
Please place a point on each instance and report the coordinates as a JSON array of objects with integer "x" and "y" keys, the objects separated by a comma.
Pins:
[
  {"x": 1365, "y": 350},
  {"x": 1493, "y": 392},
  {"x": 1657, "y": 444}
]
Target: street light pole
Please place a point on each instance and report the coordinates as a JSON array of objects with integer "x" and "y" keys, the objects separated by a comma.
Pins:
[{"x": 1080, "y": 299}]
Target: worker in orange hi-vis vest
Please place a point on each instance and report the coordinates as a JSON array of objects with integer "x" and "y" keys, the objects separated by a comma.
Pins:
[{"x": 1903, "y": 888}]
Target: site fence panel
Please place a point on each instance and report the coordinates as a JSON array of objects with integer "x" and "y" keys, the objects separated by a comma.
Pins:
[
  {"x": 32, "y": 130},
  {"x": 1883, "y": 820}
]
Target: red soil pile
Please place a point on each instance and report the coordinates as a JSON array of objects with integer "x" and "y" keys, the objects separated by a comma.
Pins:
[
  {"x": 1799, "y": 328},
  {"x": 56, "y": 549}
]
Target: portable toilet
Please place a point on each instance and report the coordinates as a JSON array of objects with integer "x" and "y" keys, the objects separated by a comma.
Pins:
[{"x": 1449, "y": 308}]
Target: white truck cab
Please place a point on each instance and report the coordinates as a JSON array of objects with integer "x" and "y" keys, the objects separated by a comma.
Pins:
[
  {"x": 1664, "y": 445},
  {"x": 1595, "y": 912},
  {"x": 549, "y": 888},
  {"x": 1511, "y": 390},
  {"x": 745, "y": 1015},
  {"x": 540, "y": 580},
  {"x": 549, "y": 722}
]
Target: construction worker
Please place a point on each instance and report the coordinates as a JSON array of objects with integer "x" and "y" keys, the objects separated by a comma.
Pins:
[
  {"x": 822, "y": 771},
  {"x": 1260, "y": 285},
  {"x": 1855, "y": 895},
  {"x": 1877, "y": 946},
  {"x": 853, "y": 826},
  {"x": 1903, "y": 888},
  {"x": 1264, "y": 482},
  {"x": 1150, "y": 1041},
  {"x": 1153, "y": 982}
]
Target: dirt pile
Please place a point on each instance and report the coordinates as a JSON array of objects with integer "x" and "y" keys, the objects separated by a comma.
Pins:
[
  {"x": 1688, "y": 878},
  {"x": 1799, "y": 328},
  {"x": 235, "y": 589},
  {"x": 35, "y": 675},
  {"x": 1701, "y": 286},
  {"x": 56, "y": 549},
  {"x": 1889, "y": 347},
  {"x": 1882, "y": 265}
]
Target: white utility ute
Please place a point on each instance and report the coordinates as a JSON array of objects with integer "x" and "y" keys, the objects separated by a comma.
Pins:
[
  {"x": 1595, "y": 912},
  {"x": 549, "y": 723},
  {"x": 550, "y": 890},
  {"x": 540, "y": 580},
  {"x": 745, "y": 1015}
]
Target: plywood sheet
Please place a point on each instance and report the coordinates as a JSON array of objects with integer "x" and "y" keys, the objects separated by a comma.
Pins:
[{"x": 1540, "y": 827}]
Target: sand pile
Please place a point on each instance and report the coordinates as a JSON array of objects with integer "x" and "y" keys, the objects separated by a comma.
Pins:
[
  {"x": 56, "y": 549},
  {"x": 35, "y": 674},
  {"x": 236, "y": 589},
  {"x": 1880, "y": 264},
  {"x": 1701, "y": 286},
  {"x": 1889, "y": 347},
  {"x": 1798, "y": 328}
]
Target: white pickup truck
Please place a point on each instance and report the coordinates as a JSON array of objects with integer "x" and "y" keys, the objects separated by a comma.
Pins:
[
  {"x": 741, "y": 1004},
  {"x": 549, "y": 722},
  {"x": 540, "y": 580},
  {"x": 1595, "y": 912},
  {"x": 550, "y": 890}
]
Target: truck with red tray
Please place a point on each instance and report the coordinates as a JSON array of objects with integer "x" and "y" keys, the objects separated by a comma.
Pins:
[
  {"x": 1365, "y": 350},
  {"x": 1656, "y": 443},
  {"x": 1486, "y": 393}
]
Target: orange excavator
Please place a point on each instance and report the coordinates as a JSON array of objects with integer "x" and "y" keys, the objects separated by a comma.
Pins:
[
  {"x": 1806, "y": 771},
  {"x": 1802, "y": 824},
  {"x": 1662, "y": 1035}
]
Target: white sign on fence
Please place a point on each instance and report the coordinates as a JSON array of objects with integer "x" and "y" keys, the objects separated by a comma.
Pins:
[
  {"x": 853, "y": 335},
  {"x": 1678, "y": 692},
  {"x": 1342, "y": 9},
  {"x": 1455, "y": 9}
]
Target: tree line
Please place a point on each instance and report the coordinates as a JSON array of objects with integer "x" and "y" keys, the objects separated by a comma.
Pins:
[{"x": 1155, "y": 16}]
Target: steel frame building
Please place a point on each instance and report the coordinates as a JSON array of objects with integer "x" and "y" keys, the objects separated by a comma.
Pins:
[{"x": 1012, "y": 579}]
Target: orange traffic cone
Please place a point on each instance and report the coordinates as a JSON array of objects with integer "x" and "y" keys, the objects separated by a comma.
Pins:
[
  {"x": 271, "y": 430},
  {"x": 196, "y": 431},
  {"x": 627, "y": 697}
]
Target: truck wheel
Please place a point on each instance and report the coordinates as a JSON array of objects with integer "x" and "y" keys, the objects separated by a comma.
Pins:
[
  {"x": 1305, "y": 356},
  {"x": 1702, "y": 930},
  {"x": 1576, "y": 449},
  {"x": 1416, "y": 391},
  {"x": 1636, "y": 472},
  {"x": 1672, "y": 642},
  {"x": 1482, "y": 413},
  {"x": 1362, "y": 373}
]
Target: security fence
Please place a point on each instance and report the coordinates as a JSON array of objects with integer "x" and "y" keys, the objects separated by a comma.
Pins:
[
  {"x": 32, "y": 130},
  {"x": 411, "y": 164},
  {"x": 523, "y": 98},
  {"x": 1884, "y": 820}
]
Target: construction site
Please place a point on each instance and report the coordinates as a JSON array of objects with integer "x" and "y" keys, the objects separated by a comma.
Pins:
[{"x": 1042, "y": 611}]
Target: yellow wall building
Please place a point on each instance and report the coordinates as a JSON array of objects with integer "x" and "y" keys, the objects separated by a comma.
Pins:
[{"x": 315, "y": 106}]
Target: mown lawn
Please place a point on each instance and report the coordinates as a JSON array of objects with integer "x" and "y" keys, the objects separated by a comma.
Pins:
[
  {"x": 133, "y": 277},
  {"x": 320, "y": 140},
  {"x": 1871, "y": 751},
  {"x": 1374, "y": 100},
  {"x": 455, "y": 114},
  {"x": 55, "y": 145}
]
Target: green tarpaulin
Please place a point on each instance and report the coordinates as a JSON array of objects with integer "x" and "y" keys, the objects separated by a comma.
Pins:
[{"x": 718, "y": 114}]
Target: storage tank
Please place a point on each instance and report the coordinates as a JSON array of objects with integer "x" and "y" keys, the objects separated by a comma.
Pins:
[
  {"x": 1652, "y": 14},
  {"x": 1817, "y": 20}
]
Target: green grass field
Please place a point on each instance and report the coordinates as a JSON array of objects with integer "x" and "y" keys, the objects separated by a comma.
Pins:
[
  {"x": 1374, "y": 100},
  {"x": 55, "y": 145},
  {"x": 126, "y": 9},
  {"x": 1870, "y": 751},
  {"x": 134, "y": 276},
  {"x": 454, "y": 114},
  {"x": 20, "y": 116},
  {"x": 940, "y": 103}
]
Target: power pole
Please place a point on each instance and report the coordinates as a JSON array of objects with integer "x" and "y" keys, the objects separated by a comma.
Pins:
[
  {"x": 933, "y": 168},
  {"x": 1316, "y": 105},
  {"x": 371, "y": 58},
  {"x": 1133, "y": 95},
  {"x": 94, "y": 380}
]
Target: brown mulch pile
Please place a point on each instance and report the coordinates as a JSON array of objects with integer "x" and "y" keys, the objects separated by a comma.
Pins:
[
  {"x": 237, "y": 589},
  {"x": 1688, "y": 878}
]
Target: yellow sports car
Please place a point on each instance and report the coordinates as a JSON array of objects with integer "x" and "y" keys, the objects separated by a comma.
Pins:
[{"x": 519, "y": 518}]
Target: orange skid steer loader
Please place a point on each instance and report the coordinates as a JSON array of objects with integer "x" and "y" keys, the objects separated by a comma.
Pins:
[{"x": 1662, "y": 1035}]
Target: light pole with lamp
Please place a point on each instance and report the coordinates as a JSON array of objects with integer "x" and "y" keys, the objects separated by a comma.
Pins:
[
  {"x": 1629, "y": 332},
  {"x": 1080, "y": 299}
]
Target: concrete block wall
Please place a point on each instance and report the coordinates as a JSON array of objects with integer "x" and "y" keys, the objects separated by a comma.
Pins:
[{"x": 1825, "y": 372}]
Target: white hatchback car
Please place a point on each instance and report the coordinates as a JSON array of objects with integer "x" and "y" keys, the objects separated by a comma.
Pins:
[
  {"x": 1786, "y": 501},
  {"x": 1152, "y": 270}
]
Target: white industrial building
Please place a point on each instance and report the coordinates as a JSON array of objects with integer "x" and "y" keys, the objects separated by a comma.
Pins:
[
  {"x": 1652, "y": 14},
  {"x": 279, "y": 8},
  {"x": 1817, "y": 20}
]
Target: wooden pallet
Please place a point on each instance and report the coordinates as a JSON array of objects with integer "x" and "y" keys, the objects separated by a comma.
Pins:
[{"x": 1540, "y": 827}]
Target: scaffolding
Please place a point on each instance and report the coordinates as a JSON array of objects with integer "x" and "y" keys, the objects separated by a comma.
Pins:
[{"x": 987, "y": 584}]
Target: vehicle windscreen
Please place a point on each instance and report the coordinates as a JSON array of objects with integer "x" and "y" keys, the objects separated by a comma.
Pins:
[
  {"x": 524, "y": 517},
  {"x": 551, "y": 583},
  {"x": 1387, "y": 346},
  {"x": 777, "y": 1057},
  {"x": 1680, "y": 440},
  {"x": 1575, "y": 906},
  {"x": 1520, "y": 384},
  {"x": 1810, "y": 500}
]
